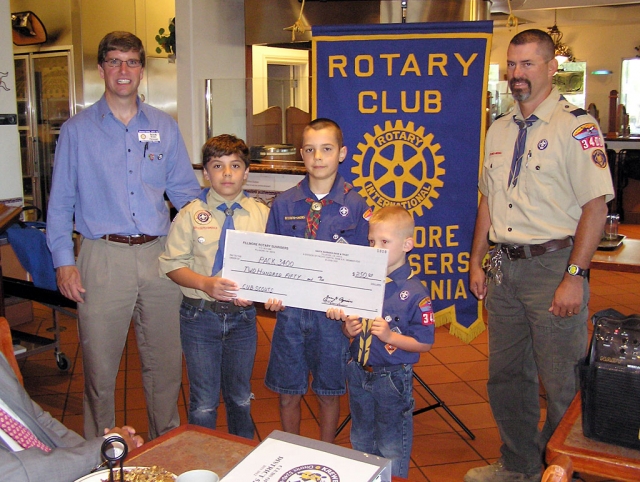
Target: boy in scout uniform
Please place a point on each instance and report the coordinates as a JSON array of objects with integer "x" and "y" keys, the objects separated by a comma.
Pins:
[
  {"x": 324, "y": 207},
  {"x": 217, "y": 329},
  {"x": 383, "y": 350}
]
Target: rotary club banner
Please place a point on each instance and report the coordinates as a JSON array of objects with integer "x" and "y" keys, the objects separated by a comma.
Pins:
[{"x": 410, "y": 99}]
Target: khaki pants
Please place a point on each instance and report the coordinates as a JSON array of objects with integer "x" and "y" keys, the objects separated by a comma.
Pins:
[{"x": 122, "y": 283}]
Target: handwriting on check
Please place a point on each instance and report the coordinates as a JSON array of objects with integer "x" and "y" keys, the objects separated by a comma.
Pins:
[{"x": 306, "y": 273}]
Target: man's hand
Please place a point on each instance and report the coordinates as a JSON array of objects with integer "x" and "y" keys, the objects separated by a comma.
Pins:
[
  {"x": 128, "y": 434},
  {"x": 567, "y": 300},
  {"x": 477, "y": 282},
  {"x": 69, "y": 283}
]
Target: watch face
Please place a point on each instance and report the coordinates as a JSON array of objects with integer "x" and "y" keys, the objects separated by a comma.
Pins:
[{"x": 573, "y": 269}]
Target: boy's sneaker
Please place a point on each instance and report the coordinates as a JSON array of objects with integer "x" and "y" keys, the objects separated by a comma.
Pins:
[{"x": 496, "y": 472}]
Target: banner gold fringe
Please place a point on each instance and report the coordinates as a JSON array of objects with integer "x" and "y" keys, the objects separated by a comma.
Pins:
[
  {"x": 448, "y": 315},
  {"x": 467, "y": 334}
]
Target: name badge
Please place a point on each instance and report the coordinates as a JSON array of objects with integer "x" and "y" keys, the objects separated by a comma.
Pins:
[{"x": 148, "y": 136}]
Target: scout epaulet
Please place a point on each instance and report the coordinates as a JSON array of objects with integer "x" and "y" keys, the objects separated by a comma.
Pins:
[
  {"x": 347, "y": 187},
  {"x": 501, "y": 115},
  {"x": 578, "y": 112}
]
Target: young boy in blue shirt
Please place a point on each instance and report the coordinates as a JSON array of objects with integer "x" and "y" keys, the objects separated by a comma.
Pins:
[
  {"x": 383, "y": 350},
  {"x": 217, "y": 329},
  {"x": 324, "y": 207}
]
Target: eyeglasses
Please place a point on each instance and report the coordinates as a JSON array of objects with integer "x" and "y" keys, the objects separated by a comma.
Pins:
[{"x": 115, "y": 63}]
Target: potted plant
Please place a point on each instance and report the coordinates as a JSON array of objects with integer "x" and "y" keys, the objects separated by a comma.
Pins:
[{"x": 167, "y": 42}]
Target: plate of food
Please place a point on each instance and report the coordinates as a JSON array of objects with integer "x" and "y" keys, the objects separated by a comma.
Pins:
[{"x": 132, "y": 474}]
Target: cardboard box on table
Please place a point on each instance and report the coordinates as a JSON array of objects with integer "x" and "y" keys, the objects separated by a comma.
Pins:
[{"x": 284, "y": 457}]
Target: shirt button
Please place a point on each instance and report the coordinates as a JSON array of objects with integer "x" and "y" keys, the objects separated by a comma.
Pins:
[
  {"x": 128, "y": 150},
  {"x": 510, "y": 205},
  {"x": 126, "y": 130},
  {"x": 132, "y": 193},
  {"x": 130, "y": 172},
  {"x": 508, "y": 229}
]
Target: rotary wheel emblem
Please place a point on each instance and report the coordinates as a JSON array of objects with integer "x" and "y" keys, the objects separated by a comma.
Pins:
[{"x": 399, "y": 165}]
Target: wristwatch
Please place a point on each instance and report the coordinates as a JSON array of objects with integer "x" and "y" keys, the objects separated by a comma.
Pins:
[{"x": 575, "y": 270}]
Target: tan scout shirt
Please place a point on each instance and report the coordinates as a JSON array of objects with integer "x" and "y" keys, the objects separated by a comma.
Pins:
[
  {"x": 564, "y": 166},
  {"x": 194, "y": 234}
]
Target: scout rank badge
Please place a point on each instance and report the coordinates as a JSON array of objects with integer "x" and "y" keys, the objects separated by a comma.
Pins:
[{"x": 493, "y": 269}]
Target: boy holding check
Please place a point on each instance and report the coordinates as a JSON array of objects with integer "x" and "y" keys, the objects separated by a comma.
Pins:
[
  {"x": 217, "y": 329},
  {"x": 383, "y": 350},
  {"x": 324, "y": 207}
]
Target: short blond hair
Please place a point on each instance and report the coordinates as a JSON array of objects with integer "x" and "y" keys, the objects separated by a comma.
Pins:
[{"x": 396, "y": 215}]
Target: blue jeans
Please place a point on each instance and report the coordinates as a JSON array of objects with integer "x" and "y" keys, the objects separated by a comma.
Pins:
[
  {"x": 219, "y": 349},
  {"x": 527, "y": 343},
  {"x": 381, "y": 407}
]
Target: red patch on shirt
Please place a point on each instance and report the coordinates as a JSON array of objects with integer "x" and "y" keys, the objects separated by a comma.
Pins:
[{"x": 428, "y": 318}]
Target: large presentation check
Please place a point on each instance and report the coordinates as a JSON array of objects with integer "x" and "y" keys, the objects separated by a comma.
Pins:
[{"x": 306, "y": 273}]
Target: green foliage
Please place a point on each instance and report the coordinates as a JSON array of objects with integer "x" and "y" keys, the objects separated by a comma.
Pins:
[{"x": 167, "y": 42}]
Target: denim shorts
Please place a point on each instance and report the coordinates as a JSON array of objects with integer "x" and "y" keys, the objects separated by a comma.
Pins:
[{"x": 307, "y": 341}]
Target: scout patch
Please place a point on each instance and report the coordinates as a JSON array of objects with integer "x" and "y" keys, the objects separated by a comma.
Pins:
[
  {"x": 294, "y": 218},
  {"x": 367, "y": 214},
  {"x": 344, "y": 211},
  {"x": 202, "y": 217},
  {"x": 390, "y": 348},
  {"x": 588, "y": 135},
  {"x": 428, "y": 317},
  {"x": 599, "y": 158}
]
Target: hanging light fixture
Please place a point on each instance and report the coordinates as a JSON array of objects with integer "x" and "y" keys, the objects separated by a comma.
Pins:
[{"x": 563, "y": 51}]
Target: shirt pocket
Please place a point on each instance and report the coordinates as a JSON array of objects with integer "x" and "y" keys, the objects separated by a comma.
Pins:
[
  {"x": 294, "y": 227},
  {"x": 496, "y": 172},
  {"x": 543, "y": 176},
  {"x": 343, "y": 228},
  {"x": 205, "y": 247},
  {"x": 154, "y": 166}
]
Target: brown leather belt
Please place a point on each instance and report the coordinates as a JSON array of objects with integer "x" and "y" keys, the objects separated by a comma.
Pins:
[
  {"x": 514, "y": 251},
  {"x": 130, "y": 240},
  {"x": 215, "y": 306}
]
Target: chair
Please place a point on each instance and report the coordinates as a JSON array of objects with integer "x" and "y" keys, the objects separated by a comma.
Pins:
[
  {"x": 6, "y": 347},
  {"x": 29, "y": 244},
  {"x": 628, "y": 168},
  {"x": 267, "y": 127},
  {"x": 296, "y": 120}
]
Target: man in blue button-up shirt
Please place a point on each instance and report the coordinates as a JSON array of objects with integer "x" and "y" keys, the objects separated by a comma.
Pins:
[{"x": 114, "y": 161}]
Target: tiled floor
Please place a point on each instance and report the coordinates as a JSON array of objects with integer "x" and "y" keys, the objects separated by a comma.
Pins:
[{"x": 456, "y": 372}]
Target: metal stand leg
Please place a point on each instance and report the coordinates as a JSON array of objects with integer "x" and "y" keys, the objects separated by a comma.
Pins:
[{"x": 439, "y": 403}]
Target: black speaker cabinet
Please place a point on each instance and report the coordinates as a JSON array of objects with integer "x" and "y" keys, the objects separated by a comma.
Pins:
[{"x": 610, "y": 380}]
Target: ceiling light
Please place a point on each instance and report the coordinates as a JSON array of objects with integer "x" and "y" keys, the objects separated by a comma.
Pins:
[{"x": 563, "y": 51}]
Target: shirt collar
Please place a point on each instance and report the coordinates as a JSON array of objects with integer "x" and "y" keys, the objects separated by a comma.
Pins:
[
  {"x": 214, "y": 199},
  {"x": 104, "y": 110},
  {"x": 337, "y": 194},
  {"x": 400, "y": 274}
]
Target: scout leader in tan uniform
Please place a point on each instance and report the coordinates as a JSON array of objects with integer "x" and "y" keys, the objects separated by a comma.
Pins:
[
  {"x": 217, "y": 329},
  {"x": 544, "y": 185}
]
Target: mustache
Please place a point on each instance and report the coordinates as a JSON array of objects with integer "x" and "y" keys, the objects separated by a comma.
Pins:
[{"x": 513, "y": 81}]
